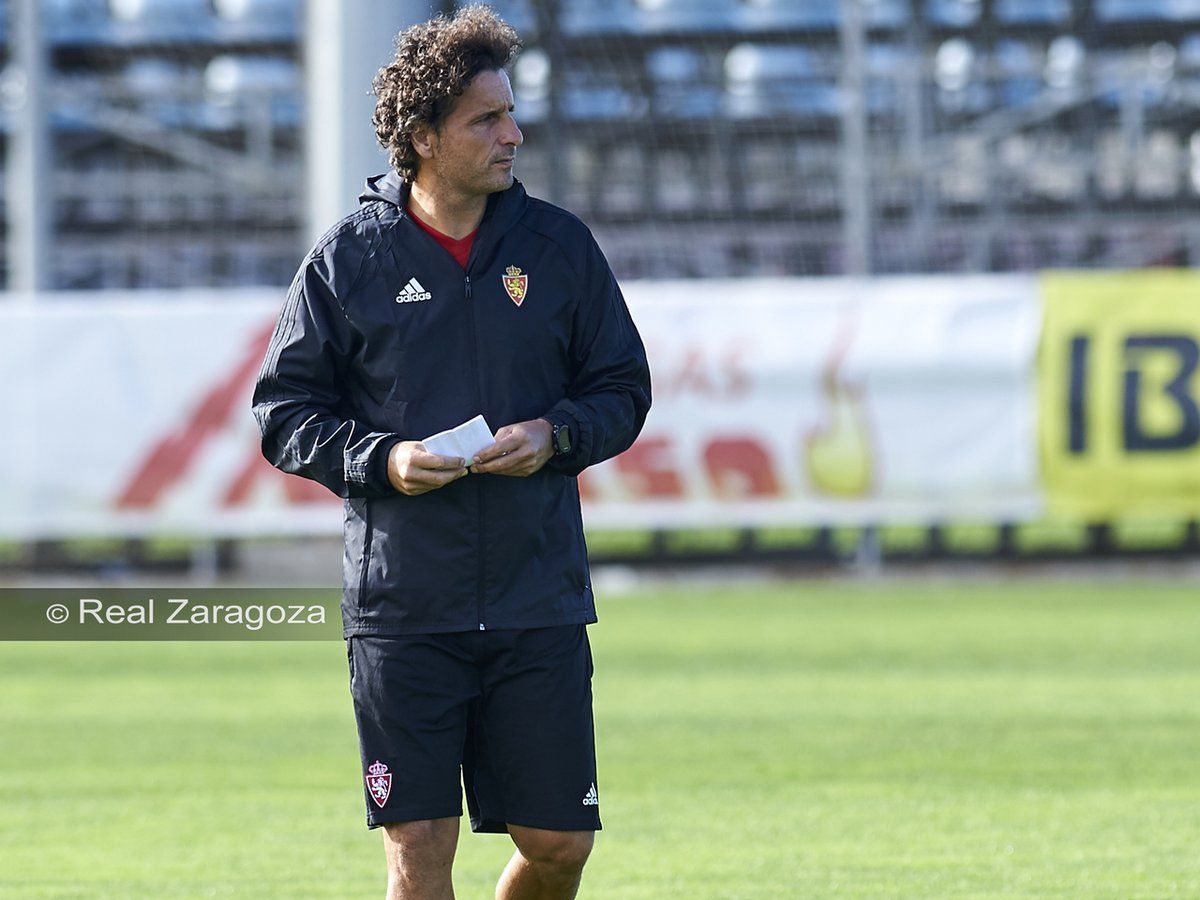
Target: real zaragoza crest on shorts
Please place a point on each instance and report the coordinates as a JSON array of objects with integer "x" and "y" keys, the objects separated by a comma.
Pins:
[
  {"x": 379, "y": 782},
  {"x": 515, "y": 284}
]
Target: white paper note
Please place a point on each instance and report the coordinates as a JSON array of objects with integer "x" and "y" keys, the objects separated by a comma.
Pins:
[{"x": 463, "y": 441}]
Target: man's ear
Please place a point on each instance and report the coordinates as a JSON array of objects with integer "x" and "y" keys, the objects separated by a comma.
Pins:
[{"x": 424, "y": 141}]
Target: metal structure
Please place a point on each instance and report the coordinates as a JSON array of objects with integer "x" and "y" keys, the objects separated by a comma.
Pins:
[
  {"x": 346, "y": 44},
  {"x": 705, "y": 138},
  {"x": 169, "y": 143},
  {"x": 205, "y": 142},
  {"x": 27, "y": 218}
]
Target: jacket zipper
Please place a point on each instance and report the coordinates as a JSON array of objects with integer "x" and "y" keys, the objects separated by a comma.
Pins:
[{"x": 481, "y": 573}]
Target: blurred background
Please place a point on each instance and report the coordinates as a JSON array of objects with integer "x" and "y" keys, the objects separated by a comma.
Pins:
[
  {"x": 764, "y": 137},
  {"x": 169, "y": 162}
]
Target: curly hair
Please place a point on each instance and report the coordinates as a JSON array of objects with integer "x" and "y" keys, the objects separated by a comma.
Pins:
[{"x": 434, "y": 63}]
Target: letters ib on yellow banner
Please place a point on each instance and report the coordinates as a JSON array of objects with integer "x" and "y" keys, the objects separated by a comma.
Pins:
[{"x": 1119, "y": 394}]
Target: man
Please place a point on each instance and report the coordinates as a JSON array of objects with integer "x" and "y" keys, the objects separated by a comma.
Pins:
[{"x": 451, "y": 293}]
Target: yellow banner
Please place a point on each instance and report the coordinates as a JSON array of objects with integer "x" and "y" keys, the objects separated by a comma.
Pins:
[{"x": 1119, "y": 394}]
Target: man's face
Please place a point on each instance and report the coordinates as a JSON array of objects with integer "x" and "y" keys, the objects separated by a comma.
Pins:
[{"x": 472, "y": 152}]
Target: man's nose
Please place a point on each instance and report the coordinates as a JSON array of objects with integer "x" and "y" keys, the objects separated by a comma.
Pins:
[{"x": 514, "y": 138}]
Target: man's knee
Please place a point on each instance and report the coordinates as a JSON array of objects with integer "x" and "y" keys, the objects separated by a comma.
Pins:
[
  {"x": 421, "y": 846},
  {"x": 564, "y": 851}
]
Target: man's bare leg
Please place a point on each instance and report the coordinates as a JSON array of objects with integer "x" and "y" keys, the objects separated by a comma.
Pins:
[
  {"x": 420, "y": 857},
  {"x": 547, "y": 864}
]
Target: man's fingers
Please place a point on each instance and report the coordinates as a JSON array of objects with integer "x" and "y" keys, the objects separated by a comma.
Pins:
[
  {"x": 505, "y": 465},
  {"x": 436, "y": 477},
  {"x": 500, "y": 448},
  {"x": 526, "y": 452},
  {"x": 423, "y": 459},
  {"x": 503, "y": 446},
  {"x": 421, "y": 481},
  {"x": 504, "y": 460}
]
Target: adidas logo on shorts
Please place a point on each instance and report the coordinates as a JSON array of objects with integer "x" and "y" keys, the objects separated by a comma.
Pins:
[
  {"x": 413, "y": 293},
  {"x": 590, "y": 799}
]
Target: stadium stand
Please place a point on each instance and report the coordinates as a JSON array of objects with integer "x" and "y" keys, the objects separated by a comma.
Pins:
[
  {"x": 172, "y": 120},
  {"x": 701, "y": 137}
]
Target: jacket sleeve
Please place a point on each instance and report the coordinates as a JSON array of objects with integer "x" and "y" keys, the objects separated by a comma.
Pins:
[
  {"x": 299, "y": 398},
  {"x": 609, "y": 393}
]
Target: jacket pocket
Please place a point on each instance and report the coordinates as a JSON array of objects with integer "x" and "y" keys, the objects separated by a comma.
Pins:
[
  {"x": 368, "y": 544},
  {"x": 397, "y": 382}
]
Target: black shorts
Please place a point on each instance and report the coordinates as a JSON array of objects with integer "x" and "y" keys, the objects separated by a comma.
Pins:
[{"x": 510, "y": 709}]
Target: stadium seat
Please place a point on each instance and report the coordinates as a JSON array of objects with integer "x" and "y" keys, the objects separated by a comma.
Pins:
[
  {"x": 819, "y": 14},
  {"x": 685, "y": 15},
  {"x": 1017, "y": 70},
  {"x": 1149, "y": 71},
  {"x": 960, "y": 88},
  {"x": 531, "y": 86},
  {"x": 1111, "y": 76},
  {"x": 582, "y": 17},
  {"x": 81, "y": 22},
  {"x": 804, "y": 14},
  {"x": 77, "y": 94},
  {"x": 682, "y": 85},
  {"x": 160, "y": 21},
  {"x": 763, "y": 81},
  {"x": 174, "y": 96},
  {"x": 1189, "y": 54},
  {"x": 1064, "y": 62},
  {"x": 153, "y": 77},
  {"x": 520, "y": 15},
  {"x": 251, "y": 86},
  {"x": 953, "y": 13},
  {"x": 157, "y": 87},
  {"x": 887, "y": 13},
  {"x": 160, "y": 11},
  {"x": 243, "y": 74},
  {"x": 1148, "y": 10},
  {"x": 244, "y": 10},
  {"x": 1029, "y": 12},
  {"x": 258, "y": 20},
  {"x": 885, "y": 69},
  {"x": 597, "y": 95},
  {"x": 101, "y": 197}
]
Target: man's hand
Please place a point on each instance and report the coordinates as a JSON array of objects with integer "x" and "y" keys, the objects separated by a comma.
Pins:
[
  {"x": 413, "y": 470},
  {"x": 520, "y": 450}
]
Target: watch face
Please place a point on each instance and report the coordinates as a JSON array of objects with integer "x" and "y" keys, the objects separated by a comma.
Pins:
[{"x": 562, "y": 439}]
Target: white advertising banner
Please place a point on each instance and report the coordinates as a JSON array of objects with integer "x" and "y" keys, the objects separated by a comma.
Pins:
[
  {"x": 806, "y": 401},
  {"x": 133, "y": 418},
  {"x": 827, "y": 401}
]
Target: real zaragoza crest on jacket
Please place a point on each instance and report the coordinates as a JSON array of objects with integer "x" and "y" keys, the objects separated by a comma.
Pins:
[{"x": 515, "y": 284}]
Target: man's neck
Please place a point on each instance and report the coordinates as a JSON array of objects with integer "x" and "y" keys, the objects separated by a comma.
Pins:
[{"x": 452, "y": 214}]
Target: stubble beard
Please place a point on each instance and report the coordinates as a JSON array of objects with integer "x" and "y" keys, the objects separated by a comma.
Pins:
[{"x": 488, "y": 182}]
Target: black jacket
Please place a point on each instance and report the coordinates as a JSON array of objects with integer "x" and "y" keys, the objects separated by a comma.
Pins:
[{"x": 360, "y": 360}]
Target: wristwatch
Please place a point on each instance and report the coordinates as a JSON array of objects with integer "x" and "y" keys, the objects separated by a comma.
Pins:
[{"x": 560, "y": 439}]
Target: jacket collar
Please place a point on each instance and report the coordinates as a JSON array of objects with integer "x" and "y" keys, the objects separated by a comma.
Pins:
[{"x": 504, "y": 208}]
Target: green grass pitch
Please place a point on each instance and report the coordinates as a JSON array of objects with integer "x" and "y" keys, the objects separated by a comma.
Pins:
[{"x": 893, "y": 739}]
